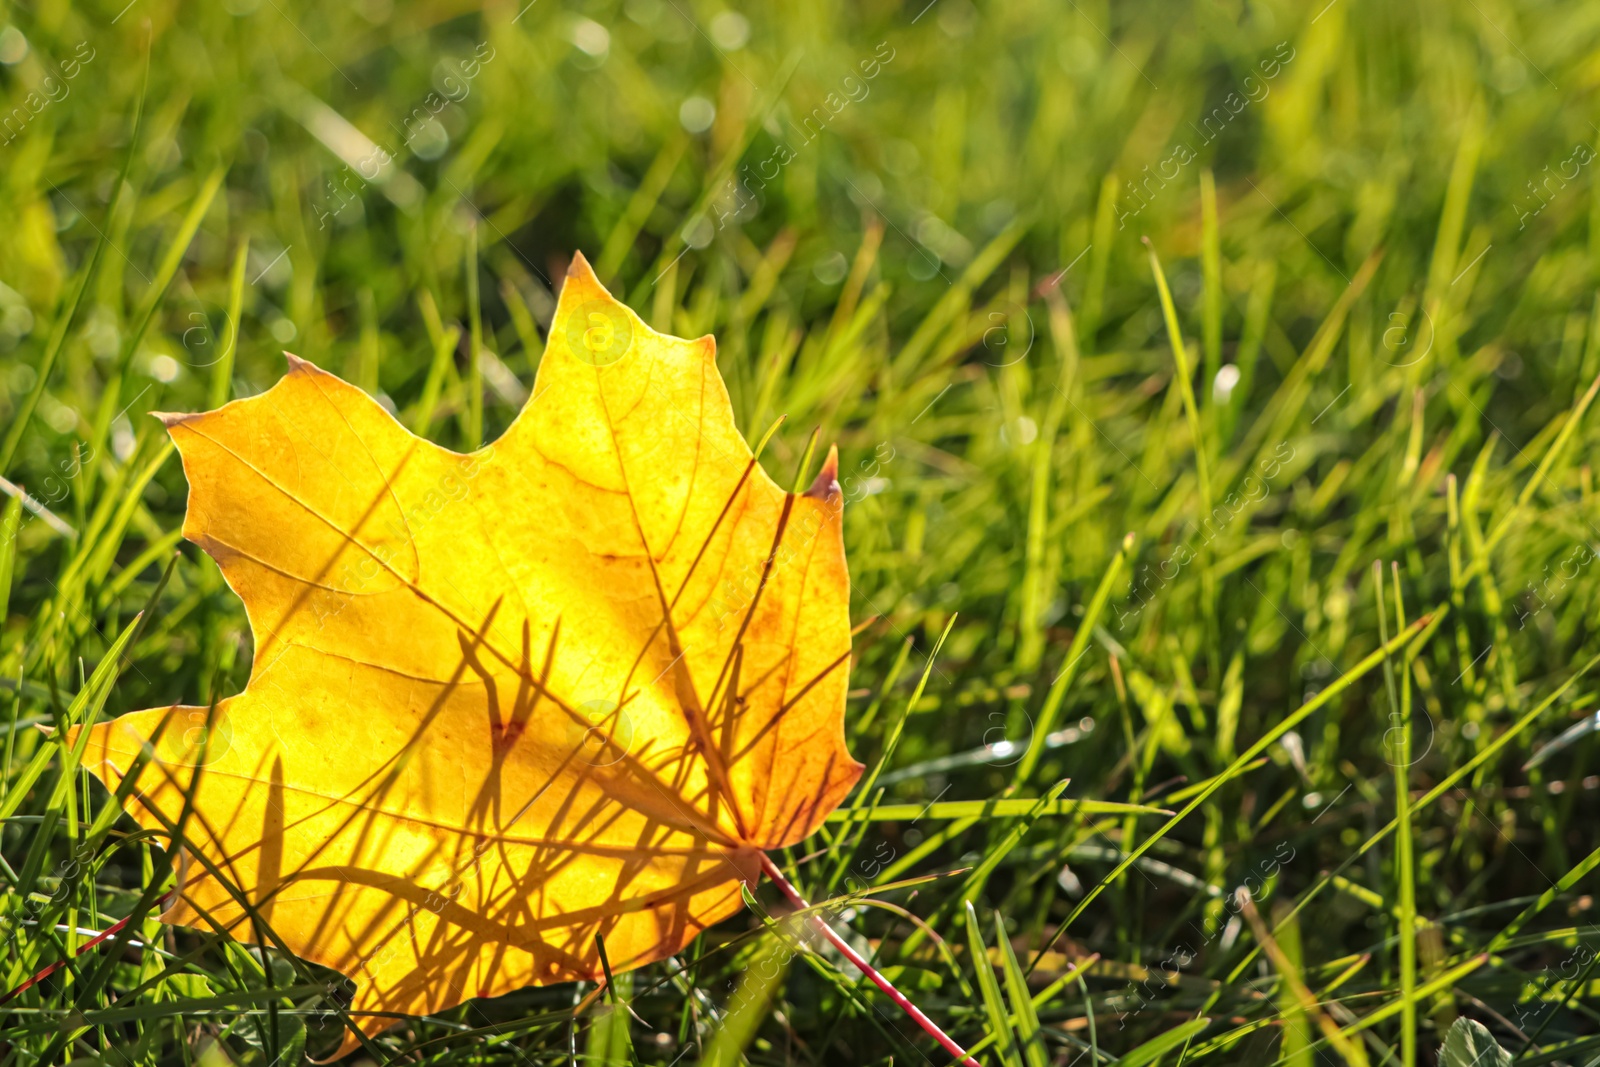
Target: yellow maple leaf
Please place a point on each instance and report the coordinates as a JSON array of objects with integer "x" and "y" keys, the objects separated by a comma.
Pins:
[{"x": 571, "y": 684}]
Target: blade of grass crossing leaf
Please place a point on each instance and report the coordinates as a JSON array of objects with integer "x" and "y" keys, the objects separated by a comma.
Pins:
[
  {"x": 113, "y": 663},
  {"x": 802, "y": 471},
  {"x": 110, "y": 943},
  {"x": 175, "y": 831},
  {"x": 84, "y": 709}
]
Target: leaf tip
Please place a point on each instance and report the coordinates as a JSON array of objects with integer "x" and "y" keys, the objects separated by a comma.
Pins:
[
  {"x": 582, "y": 287},
  {"x": 826, "y": 485},
  {"x": 580, "y": 272}
]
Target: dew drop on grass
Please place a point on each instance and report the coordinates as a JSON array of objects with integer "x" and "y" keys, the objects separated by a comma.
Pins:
[
  {"x": 164, "y": 369},
  {"x": 1222, "y": 387},
  {"x": 698, "y": 232},
  {"x": 13, "y": 46},
  {"x": 730, "y": 30},
  {"x": 922, "y": 265},
  {"x": 831, "y": 269},
  {"x": 591, "y": 38},
  {"x": 696, "y": 114}
]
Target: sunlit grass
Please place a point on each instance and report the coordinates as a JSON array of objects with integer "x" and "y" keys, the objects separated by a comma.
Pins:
[{"x": 1324, "y": 595}]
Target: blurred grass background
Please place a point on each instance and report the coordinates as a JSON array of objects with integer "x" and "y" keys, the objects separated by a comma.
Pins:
[{"x": 1149, "y": 532}]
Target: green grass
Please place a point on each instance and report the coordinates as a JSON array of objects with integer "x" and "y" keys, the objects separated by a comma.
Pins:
[{"x": 1325, "y": 617}]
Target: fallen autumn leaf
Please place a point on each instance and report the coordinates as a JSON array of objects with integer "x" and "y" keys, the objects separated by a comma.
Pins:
[{"x": 503, "y": 702}]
